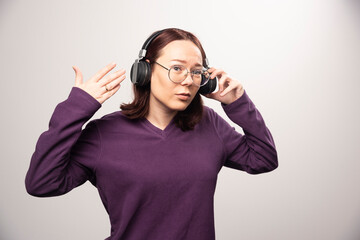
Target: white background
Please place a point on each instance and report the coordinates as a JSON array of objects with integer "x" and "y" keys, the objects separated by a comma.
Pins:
[{"x": 299, "y": 62}]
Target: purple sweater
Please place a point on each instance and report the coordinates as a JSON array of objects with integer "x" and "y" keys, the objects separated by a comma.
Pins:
[{"x": 155, "y": 184}]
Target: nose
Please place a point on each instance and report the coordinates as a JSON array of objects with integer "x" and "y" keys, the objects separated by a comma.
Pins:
[{"x": 188, "y": 80}]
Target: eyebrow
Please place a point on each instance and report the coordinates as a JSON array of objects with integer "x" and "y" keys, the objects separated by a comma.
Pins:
[{"x": 183, "y": 61}]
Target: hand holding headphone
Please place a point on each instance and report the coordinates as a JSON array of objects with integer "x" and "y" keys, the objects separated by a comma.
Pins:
[{"x": 229, "y": 88}]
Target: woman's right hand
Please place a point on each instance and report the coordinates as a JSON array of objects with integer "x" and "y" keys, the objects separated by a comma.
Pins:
[{"x": 99, "y": 86}]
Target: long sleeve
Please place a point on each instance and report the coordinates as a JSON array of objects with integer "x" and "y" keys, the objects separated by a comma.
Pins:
[
  {"x": 65, "y": 155},
  {"x": 253, "y": 152}
]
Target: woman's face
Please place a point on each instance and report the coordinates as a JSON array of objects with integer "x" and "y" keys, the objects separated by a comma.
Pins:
[{"x": 166, "y": 94}]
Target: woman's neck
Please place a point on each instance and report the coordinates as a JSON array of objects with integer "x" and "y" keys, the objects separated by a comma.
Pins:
[
  {"x": 160, "y": 119},
  {"x": 159, "y": 115}
]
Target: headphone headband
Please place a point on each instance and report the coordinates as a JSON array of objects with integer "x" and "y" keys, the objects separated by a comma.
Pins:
[
  {"x": 143, "y": 50},
  {"x": 146, "y": 44}
]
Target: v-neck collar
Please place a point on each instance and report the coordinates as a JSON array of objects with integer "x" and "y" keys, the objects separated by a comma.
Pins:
[{"x": 157, "y": 130}]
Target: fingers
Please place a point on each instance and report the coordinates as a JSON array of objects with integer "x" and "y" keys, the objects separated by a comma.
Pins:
[
  {"x": 113, "y": 78},
  {"x": 113, "y": 84},
  {"x": 109, "y": 93},
  {"x": 78, "y": 76},
  {"x": 223, "y": 83},
  {"x": 220, "y": 74},
  {"x": 102, "y": 72},
  {"x": 226, "y": 84},
  {"x": 229, "y": 88},
  {"x": 215, "y": 72},
  {"x": 100, "y": 87}
]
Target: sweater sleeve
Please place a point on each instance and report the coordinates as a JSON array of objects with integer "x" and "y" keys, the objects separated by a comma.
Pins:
[
  {"x": 253, "y": 152},
  {"x": 65, "y": 155}
]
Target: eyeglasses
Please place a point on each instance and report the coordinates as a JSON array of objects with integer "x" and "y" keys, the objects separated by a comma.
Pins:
[{"x": 179, "y": 73}]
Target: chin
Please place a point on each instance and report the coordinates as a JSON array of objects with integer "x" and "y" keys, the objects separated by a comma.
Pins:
[{"x": 180, "y": 106}]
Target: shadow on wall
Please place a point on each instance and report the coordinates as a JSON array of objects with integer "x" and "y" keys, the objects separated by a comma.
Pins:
[{"x": 354, "y": 6}]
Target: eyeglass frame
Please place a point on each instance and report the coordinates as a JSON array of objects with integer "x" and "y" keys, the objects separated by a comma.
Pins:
[{"x": 187, "y": 73}]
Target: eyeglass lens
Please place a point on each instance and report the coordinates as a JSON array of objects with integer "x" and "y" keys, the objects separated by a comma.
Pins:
[{"x": 179, "y": 73}]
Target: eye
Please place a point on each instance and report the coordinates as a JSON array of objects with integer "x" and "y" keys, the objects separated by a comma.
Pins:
[
  {"x": 197, "y": 72},
  {"x": 178, "y": 68}
]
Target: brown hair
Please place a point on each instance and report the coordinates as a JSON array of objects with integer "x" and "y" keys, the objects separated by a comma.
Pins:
[{"x": 139, "y": 108}]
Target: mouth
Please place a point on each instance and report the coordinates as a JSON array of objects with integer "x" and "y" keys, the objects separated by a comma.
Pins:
[{"x": 183, "y": 96}]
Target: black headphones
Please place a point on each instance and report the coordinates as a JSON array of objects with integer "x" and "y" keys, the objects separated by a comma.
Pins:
[{"x": 140, "y": 73}]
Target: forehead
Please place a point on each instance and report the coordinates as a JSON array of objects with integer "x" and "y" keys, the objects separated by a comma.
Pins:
[{"x": 181, "y": 49}]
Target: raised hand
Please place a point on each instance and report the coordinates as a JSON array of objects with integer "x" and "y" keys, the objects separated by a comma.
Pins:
[
  {"x": 99, "y": 86},
  {"x": 229, "y": 88}
]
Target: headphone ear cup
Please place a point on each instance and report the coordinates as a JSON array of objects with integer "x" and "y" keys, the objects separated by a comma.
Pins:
[
  {"x": 209, "y": 87},
  {"x": 134, "y": 78},
  {"x": 143, "y": 75}
]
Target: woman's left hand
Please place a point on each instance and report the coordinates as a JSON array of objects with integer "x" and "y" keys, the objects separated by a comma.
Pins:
[{"x": 229, "y": 89}]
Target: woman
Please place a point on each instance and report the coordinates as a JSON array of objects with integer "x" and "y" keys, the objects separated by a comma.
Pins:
[{"x": 155, "y": 162}]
